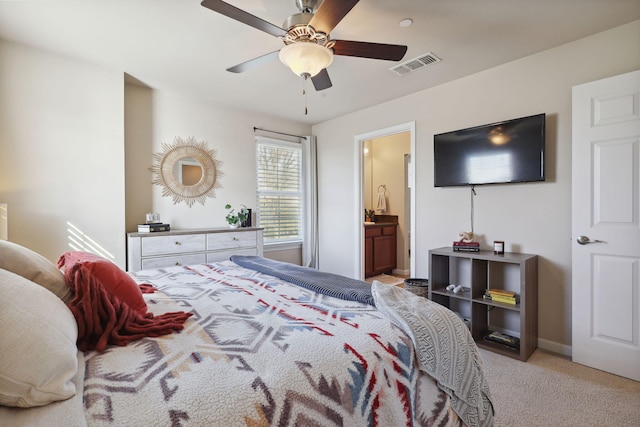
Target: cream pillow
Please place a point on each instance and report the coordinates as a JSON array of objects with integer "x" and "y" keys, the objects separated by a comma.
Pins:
[
  {"x": 34, "y": 267},
  {"x": 38, "y": 353}
]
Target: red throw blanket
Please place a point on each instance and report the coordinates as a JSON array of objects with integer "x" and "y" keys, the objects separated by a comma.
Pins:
[{"x": 108, "y": 304}]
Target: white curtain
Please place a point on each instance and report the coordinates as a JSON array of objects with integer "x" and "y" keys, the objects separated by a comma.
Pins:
[{"x": 310, "y": 170}]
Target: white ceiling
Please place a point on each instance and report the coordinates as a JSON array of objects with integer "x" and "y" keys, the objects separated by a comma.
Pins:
[{"x": 180, "y": 46}]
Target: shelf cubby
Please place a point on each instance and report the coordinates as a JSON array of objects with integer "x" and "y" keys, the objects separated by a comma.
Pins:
[{"x": 477, "y": 272}]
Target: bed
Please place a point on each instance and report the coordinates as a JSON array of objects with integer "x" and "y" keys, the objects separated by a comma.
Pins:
[{"x": 251, "y": 349}]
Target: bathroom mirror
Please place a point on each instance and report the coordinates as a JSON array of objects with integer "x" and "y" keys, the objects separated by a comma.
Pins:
[{"x": 187, "y": 170}]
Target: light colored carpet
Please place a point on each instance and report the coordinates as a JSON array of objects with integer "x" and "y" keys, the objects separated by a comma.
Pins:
[
  {"x": 550, "y": 390},
  {"x": 386, "y": 279}
]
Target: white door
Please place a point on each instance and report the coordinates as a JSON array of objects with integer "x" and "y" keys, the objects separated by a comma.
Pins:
[{"x": 606, "y": 213}]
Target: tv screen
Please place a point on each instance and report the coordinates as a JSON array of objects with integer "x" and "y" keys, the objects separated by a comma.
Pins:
[{"x": 498, "y": 153}]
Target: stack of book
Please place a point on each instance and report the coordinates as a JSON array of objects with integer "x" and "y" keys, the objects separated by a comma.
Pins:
[
  {"x": 466, "y": 246},
  {"x": 508, "y": 340},
  {"x": 153, "y": 227},
  {"x": 500, "y": 295}
]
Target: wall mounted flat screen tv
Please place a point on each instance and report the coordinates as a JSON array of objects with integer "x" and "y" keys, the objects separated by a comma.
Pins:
[{"x": 505, "y": 152}]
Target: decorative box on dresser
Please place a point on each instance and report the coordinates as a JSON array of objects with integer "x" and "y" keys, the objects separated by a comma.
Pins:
[{"x": 183, "y": 247}]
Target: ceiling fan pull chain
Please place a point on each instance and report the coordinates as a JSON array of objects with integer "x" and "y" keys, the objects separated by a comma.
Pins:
[{"x": 304, "y": 93}]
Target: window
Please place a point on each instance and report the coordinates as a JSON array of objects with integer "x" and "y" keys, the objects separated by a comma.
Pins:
[{"x": 279, "y": 190}]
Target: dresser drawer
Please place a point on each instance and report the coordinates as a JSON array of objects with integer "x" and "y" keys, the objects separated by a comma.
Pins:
[
  {"x": 233, "y": 239},
  {"x": 176, "y": 244},
  {"x": 389, "y": 230},
  {"x": 372, "y": 231},
  {"x": 170, "y": 261},
  {"x": 226, "y": 254},
  {"x": 147, "y": 251},
  {"x": 380, "y": 230}
]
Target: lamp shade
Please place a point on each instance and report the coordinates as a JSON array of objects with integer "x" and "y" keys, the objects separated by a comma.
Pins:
[{"x": 306, "y": 58}]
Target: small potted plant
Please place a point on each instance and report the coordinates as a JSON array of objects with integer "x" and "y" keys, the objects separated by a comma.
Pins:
[
  {"x": 369, "y": 214},
  {"x": 234, "y": 219}
]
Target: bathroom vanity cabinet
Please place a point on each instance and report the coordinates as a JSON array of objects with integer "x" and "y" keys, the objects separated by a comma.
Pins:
[{"x": 380, "y": 248}]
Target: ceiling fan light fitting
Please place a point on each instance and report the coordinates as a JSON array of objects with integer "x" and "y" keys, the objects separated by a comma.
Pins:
[{"x": 306, "y": 58}]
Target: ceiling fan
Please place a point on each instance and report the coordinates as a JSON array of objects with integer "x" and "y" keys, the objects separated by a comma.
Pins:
[{"x": 308, "y": 49}]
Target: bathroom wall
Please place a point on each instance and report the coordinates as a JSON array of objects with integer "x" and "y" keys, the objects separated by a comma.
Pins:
[{"x": 384, "y": 171}]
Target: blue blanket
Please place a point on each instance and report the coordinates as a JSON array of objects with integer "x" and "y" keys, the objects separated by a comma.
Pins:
[{"x": 315, "y": 280}]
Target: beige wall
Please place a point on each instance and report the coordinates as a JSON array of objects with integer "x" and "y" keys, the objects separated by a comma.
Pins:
[
  {"x": 72, "y": 132},
  {"x": 155, "y": 117},
  {"x": 4, "y": 216},
  {"x": 62, "y": 151},
  {"x": 64, "y": 123},
  {"x": 531, "y": 218},
  {"x": 292, "y": 254},
  {"x": 384, "y": 166}
]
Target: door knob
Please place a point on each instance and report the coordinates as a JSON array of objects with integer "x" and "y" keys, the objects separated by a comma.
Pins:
[{"x": 584, "y": 240}]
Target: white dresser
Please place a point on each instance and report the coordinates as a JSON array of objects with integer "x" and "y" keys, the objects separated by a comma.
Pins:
[{"x": 183, "y": 247}]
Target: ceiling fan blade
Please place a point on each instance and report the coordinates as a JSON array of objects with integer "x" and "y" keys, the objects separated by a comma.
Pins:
[
  {"x": 253, "y": 63},
  {"x": 388, "y": 52},
  {"x": 321, "y": 81},
  {"x": 330, "y": 13},
  {"x": 246, "y": 18}
]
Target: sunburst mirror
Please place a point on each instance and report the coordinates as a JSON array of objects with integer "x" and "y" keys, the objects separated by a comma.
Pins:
[{"x": 187, "y": 170}]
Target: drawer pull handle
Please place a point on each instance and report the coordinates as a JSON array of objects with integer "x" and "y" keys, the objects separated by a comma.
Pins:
[
  {"x": 235, "y": 238},
  {"x": 178, "y": 243},
  {"x": 177, "y": 263}
]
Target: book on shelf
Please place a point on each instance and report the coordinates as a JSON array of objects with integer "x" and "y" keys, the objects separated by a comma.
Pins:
[
  {"x": 459, "y": 246},
  {"x": 467, "y": 244},
  {"x": 466, "y": 249},
  {"x": 503, "y": 292},
  {"x": 151, "y": 228},
  {"x": 508, "y": 340},
  {"x": 499, "y": 298}
]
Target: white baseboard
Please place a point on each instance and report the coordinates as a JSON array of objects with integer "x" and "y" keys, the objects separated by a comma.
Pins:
[{"x": 554, "y": 347}]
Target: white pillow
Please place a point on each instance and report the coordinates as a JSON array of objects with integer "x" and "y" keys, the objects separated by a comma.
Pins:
[
  {"x": 33, "y": 266},
  {"x": 38, "y": 353}
]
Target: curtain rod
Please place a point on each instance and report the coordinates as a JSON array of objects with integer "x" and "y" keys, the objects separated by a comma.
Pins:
[{"x": 280, "y": 133}]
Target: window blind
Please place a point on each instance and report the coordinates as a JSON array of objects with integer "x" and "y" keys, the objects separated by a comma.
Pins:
[{"x": 279, "y": 190}]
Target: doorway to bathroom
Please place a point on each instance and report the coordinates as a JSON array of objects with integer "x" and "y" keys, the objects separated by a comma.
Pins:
[{"x": 385, "y": 183}]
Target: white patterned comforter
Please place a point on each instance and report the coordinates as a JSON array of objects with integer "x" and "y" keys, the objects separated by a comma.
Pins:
[{"x": 260, "y": 351}]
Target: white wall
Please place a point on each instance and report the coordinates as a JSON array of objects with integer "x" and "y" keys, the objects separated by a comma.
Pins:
[
  {"x": 155, "y": 117},
  {"x": 62, "y": 151},
  {"x": 62, "y": 157},
  {"x": 530, "y": 218},
  {"x": 72, "y": 132}
]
